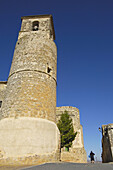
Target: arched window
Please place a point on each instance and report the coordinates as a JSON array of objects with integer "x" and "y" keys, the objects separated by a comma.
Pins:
[{"x": 35, "y": 26}]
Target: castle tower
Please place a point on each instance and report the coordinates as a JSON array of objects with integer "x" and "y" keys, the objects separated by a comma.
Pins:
[
  {"x": 31, "y": 87},
  {"x": 28, "y": 133}
]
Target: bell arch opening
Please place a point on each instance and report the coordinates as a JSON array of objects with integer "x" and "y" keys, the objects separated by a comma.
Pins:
[{"x": 35, "y": 26}]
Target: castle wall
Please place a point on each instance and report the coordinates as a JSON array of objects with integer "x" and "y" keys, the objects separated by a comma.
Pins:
[
  {"x": 73, "y": 113},
  {"x": 107, "y": 143},
  {"x": 77, "y": 152}
]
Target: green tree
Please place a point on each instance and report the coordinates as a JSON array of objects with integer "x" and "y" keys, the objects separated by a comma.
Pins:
[{"x": 65, "y": 126}]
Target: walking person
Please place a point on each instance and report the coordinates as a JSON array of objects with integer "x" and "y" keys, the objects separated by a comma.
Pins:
[{"x": 92, "y": 157}]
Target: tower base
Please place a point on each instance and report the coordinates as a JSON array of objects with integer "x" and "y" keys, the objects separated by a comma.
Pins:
[{"x": 28, "y": 141}]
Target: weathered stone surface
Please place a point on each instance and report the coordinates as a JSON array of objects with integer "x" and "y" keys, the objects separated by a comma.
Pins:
[
  {"x": 31, "y": 89},
  {"x": 33, "y": 96},
  {"x": 28, "y": 134},
  {"x": 77, "y": 152},
  {"x": 28, "y": 138},
  {"x": 77, "y": 155},
  {"x": 31, "y": 160},
  {"x": 27, "y": 127},
  {"x": 107, "y": 143},
  {"x": 74, "y": 114},
  {"x": 3, "y": 85}
]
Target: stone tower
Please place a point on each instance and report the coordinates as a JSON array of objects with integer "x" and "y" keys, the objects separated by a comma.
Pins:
[
  {"x": 27, "y": 129},
  {"x": 77, "y": 151},
  {"x": 31, "y": 87}
]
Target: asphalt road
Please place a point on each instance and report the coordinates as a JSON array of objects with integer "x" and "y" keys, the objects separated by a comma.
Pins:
[{"x": 72, "y": 166}]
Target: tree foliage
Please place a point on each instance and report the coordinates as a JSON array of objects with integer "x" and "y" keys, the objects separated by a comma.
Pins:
[{"x": 65, "y": 126}]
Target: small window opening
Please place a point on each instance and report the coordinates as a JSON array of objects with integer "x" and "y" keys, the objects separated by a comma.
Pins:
[
  {"x": 35, "y": 26},
  {"x": 49, "y": 70},
  {"x": 0, "y": 104}
]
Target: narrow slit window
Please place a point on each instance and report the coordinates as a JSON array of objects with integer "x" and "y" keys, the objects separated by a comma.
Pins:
[
  {"x": 49, "y": 70},
  {"x": 0, "y": 104},
  {"x": 35, "y": 26}
]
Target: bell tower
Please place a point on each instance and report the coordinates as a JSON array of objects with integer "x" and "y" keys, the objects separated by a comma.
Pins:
[
  {"x": 29, "y": 106},
  {"x": 31, "y": 87}
]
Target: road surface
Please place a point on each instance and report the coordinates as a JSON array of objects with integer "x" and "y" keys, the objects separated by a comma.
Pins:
[{"x": 72, "y": 166}]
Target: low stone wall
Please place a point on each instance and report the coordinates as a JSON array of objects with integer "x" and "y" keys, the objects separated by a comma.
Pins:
[{"x": 77, "y": 155}]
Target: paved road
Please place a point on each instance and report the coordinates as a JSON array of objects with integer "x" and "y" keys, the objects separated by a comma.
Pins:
[{"x": 71, "y": 166}]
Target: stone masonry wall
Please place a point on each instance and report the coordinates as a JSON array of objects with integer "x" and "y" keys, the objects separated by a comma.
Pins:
[
  {"x": 31, "y": 94},
  {"x": 77, "y": 152},
  {"x": 73, "y": 112},
  {"x": 28, "y": 130},
  {"x": 107, "y": 143},
  {"x": 31, "y": 87},
  {"x": 3, "y": 85},
  {"x": 45, "y": 26},
  {"x": 77, "y": 155},
  {"x": 27, "y": 140}
]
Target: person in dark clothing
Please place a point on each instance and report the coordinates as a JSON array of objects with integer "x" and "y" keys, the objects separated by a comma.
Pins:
[{"x": 92, "y": 157}]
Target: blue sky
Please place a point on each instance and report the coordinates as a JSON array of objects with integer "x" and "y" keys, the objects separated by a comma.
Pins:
[{"x": 84, "y": 37}]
